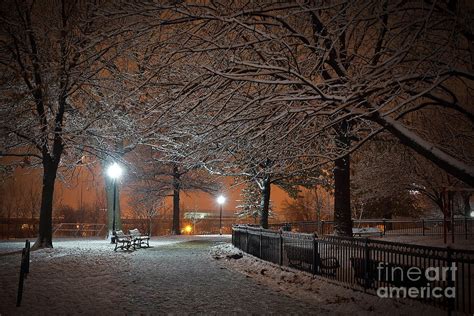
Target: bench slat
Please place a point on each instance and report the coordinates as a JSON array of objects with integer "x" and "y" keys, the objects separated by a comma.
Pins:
[{"x": 138, "y": 239}]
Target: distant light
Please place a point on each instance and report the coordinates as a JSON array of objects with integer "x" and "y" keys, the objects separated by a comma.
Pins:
[
  {"x": 114, "y": 171},
  {"x": 188, "y": 229},
  {"x": 221, "y": 199},
  {"x": 472, "y": 213}
]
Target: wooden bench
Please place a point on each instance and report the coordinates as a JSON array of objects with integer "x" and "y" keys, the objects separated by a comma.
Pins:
[
  {"x": 394, "y": 274},
  {"x": 367, "y": 231},
  {"x": 138, "y": 239},
  {"x": 299, "y": 256},
  {"x": 125, "y": 241}
]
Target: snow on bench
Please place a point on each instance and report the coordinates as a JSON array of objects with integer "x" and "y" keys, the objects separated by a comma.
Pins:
[
  {"x": 124, "y": 240},
  {"x": 370, "y": 273},
  {"x": 138, "y": 239},
  {"x": 367, "y": 231}
]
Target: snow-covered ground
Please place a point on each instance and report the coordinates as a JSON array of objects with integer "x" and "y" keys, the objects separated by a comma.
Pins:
[
  {"x": 178, "y": 275},
  {"x": 73, "y": 244},
  {"x": 325, "y": 294}
]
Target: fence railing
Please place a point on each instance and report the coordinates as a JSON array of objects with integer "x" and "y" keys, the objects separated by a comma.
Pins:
[
  {"x": 28, "y": 227},
  {"x": 390, "y": 227},
  {"x": 443, "y": 277},
  {"x": 78, "y": 229}
]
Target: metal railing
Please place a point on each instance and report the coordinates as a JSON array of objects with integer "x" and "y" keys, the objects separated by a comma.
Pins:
[
  {"x": 28, "y": 227},
  {"x": 372, "y": 266},
  {"x": 392, "y": 227},
  {"x": 78, "y": 229}
]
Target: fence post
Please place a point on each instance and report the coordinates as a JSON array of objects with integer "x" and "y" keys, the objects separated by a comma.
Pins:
[
  {"x": 423, "y": 226},
  {"x": 322, "y": 228},
  {"x": 22, "y": 278},
  {"x": 316, "y": 256},
  {"x": 366, "y": 264},
  {"x": 465, "y": 227},
  {"x": 453, "y": 226},
  {"x": 260, "y": 245},
  {"x": 280, "y": 260},
  {"x": 233, "y": 232},
  {"x": 247, "y": 240},
  {"x": 27, "y": 263},
  {"x": 450, "y": 280}
]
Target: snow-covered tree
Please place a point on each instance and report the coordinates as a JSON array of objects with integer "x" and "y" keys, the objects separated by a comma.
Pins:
[
  {"x": 274, "y": 89},
  {"x": 159, "y": 173},
  {"x": 386, "y": 170},
  {"x": 354, "y": 69},
  {"x": 54, "y": 58},
  {"x": 395, "y": 181},
  {"x": 250, "y": 204}
]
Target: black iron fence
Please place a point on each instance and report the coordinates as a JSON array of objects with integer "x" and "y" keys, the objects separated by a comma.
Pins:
[
  {"x": 391, "y": 227},
  {"x": 443, "y": 277}
]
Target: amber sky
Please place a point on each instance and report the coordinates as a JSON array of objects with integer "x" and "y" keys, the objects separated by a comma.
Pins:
[{"x": 86, "y": 185}]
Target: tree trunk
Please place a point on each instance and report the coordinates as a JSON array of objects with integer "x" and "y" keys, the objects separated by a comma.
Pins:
[
  {"x": 466, "y": 198},
  {"x": 389, "y": 216},
  {"x": 342, "y": 189},
  {"x": 265, "y": 203},
  {"x": 176, "y": 188},
  {"x": 317, "y": 204},
  {"x": 342, "y": 197},
  {"x": 45, "y": 234},
  {"x": 150, "y": 226}
]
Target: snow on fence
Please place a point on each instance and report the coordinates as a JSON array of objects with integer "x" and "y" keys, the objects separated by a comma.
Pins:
[
  {"x": 443, "y": 277},
  {"x": 463, "y": 227}
]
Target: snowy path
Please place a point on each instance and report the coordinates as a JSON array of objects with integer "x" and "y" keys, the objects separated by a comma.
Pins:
[{"x": 171, "y": 277}]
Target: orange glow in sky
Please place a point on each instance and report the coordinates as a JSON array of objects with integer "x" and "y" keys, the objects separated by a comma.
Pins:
[{"x": 86, "y": 186}]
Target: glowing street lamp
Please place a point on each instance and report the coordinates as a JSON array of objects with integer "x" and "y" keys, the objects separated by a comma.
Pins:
[
  {"x": 114, "y": 172},
  {"x": 220, "y": 201}
]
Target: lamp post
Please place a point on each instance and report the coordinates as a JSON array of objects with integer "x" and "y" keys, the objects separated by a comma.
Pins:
[
  {"x": 114, "y": 172},
  {"x": 220, "y": 201}
]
